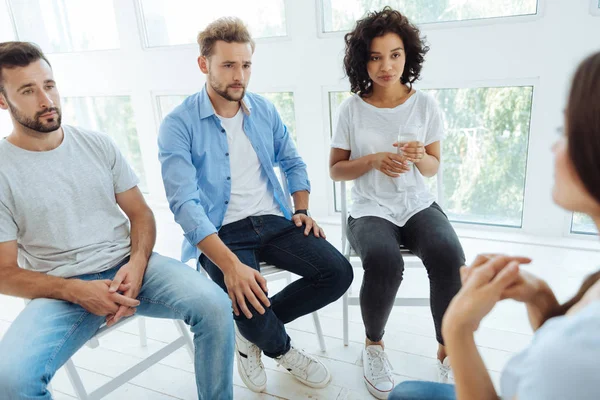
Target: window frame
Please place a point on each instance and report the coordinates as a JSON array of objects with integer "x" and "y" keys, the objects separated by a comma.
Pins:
[
  {"x": 541, "y": 7},
  {"x": 145, "y": 46},
  {"x": 452, "y": 84},
  {"x": 17, "y": 37}
]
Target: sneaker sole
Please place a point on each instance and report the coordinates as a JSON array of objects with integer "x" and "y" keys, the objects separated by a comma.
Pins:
[
  {"x": 378, "y": 394},
  {"x": 247, "y": 382},
  {"x": 320, "y": 385}
]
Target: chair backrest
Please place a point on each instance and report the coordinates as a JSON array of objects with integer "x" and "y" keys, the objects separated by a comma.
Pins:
[{"x": 346, "y": 211}]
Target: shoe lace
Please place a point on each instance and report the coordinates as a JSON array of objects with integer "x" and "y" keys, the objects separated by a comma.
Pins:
[
  {"x": 446, "y": 371},
  {"x": 254, "y": 360},
  {"x": 297, "y": 359},
  {"x": 379, "y": 364}
]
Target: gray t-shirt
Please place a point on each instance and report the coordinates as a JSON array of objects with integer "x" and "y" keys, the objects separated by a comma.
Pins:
[
  {"x": 562, "y": 362},
  {"x": 60, "y": 205}
]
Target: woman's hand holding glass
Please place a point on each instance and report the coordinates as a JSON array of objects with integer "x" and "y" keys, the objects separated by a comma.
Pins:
[
  {"x": 391, "y": 164},
  {"x": 414, "y": 151}
]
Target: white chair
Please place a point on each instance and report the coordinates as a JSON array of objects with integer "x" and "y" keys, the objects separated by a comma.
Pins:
[
  {"x": 184, "y": 340},
  {"x": 410, "y": 261}
]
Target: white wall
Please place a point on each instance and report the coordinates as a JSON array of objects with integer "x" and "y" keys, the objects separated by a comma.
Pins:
[{"x": 541, "y": 50}]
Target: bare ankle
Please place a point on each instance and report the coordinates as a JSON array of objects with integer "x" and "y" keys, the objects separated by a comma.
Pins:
[
  {"x": 369, "y": 342},
  {"x": 441, "y": 353}
]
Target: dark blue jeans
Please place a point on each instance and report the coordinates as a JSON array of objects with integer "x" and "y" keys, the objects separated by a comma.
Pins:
[
  {"x": 429, "y": 235},
  {"x": 419, "y": 390},
  {"x": 326, "y": 275}
]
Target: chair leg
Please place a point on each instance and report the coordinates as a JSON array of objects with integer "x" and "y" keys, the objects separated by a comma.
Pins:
[
  {"x": 75, "y": 380},
  {"x": 185, "y": 332},
  {"x": 345, "y": 318},
  {"x": 319, "y": 331},
  {"x": 143, "y": 335}
]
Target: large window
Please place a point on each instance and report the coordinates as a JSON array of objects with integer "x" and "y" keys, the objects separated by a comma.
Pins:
[
  {"x": 113, "y": 116},
  {"x": 341, "y": 15},
  {"x": 484, "y": 153},
  {"x": 66, "y": 25},
  {"x": 6, "y": 28},
  {"x": 581, "y": 223},
  {"x": 283, "y": 101},
  {"x": 174, "y": 22}
]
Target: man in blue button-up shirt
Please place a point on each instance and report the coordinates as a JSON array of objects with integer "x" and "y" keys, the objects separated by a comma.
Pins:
[{"x": 218, "y": 151}]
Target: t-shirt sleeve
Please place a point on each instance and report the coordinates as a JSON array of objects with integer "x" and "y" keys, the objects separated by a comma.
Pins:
[
  {"x": 8, "y": 226},
  {"x": 341, "y": 127},
  {"x": 435, "y": 122},
  {"x": 124, "y": 178},
  {"x": 566, "y": 367}
]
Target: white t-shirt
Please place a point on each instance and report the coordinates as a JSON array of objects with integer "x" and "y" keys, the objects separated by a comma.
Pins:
[
  {"x": 250, "y": 194},
  {"x": 60, "y": 205},
  {"x": 365, "y": 129}
]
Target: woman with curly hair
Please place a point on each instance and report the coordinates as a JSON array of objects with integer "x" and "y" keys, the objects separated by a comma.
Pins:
[
  {"x": 392, "y": 205},
  {"x": 561, "y": 361}
]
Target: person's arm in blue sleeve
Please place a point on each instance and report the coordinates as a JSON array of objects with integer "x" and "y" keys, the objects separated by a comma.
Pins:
[{"x": 179, "y": 178}]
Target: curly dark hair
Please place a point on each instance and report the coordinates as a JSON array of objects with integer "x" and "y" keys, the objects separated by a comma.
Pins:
[{"x": 358, "y": 44}]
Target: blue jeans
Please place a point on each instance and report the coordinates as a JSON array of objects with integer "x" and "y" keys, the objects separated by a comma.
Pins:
[
  {"x": 48, "y": 332},
  {"x": 420, "y": 390},
  {"x": 325, "y": 272}
]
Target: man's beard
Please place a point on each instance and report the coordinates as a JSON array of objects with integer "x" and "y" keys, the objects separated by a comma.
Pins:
[
  {"x": 223, "y": 91},
  {"x": 35, "y": 123}
]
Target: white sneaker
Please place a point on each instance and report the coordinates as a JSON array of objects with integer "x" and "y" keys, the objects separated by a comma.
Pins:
[
  {"x": 377, "y": 371},
  {"x": 304, "y": 367},
  {"x": 250, "y": 366},
  {"x": 445, "y": 374}
]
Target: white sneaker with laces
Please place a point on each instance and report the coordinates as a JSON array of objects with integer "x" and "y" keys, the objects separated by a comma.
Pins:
[
  {"x": 377, "y": 371},
  {"x": 305, "y": 367},
  {"x": 250, "y": 366},
  {"x": 445, "y": 374}
]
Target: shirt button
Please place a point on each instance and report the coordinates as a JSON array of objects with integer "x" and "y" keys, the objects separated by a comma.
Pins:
[
  {"x": 223, "y": 130},
  {"x": 227, "y": 154},
  {"x": 226, "y": 202},
  {"x": 228, "y": 178}
]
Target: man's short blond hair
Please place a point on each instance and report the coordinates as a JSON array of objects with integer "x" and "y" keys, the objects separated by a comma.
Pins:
[{"x": 227, "y": 29}]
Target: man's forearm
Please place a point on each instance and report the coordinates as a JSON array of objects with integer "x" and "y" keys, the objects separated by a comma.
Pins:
[
  {"x": 143, "y": 237},
  {"x": 15, "y": 281},
  {"x": 301, "y": 200},
  {"x": 213, "y": 247}
]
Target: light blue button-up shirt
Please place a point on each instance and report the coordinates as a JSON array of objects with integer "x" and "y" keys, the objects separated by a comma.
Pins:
[{"x": 194, "y": 155}]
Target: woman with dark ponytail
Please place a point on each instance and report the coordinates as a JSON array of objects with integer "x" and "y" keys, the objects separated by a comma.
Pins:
[{"x": 563, "y": 360}]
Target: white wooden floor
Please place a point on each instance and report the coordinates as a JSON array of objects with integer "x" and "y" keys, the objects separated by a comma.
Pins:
[{"x": 410, "y": 338}]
